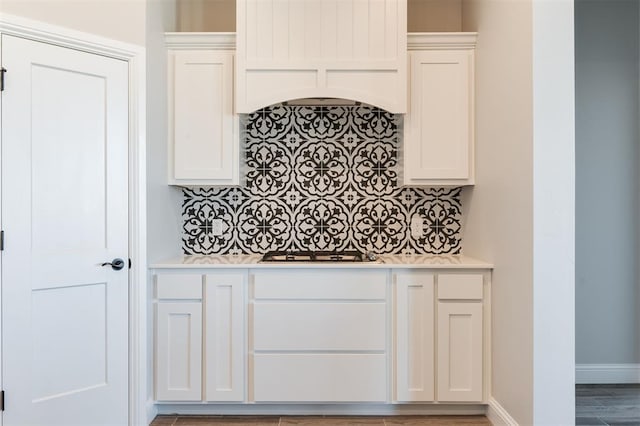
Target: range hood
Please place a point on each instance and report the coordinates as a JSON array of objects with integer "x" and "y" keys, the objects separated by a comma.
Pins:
[
  {"x": 321, "y": 102},
  {"x": 287, "y": 50}
]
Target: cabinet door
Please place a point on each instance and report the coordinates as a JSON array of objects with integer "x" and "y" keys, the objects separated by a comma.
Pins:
[
  {"x": 460, "y": 351},
  {"x": 438, "y": 144},
  {"x": 224, "y": 339},
  {"x": 320, "y": 377},
  {"x": 178, "y": 351},
  {"x": 414, "y": 320},
  {"x": 202, "y": 123}
]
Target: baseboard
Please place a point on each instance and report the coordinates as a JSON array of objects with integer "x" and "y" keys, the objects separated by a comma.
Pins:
[
  {"x": 607, "y": 373},
  {"x": 151, "y": 411},
  {"x": 364, "y": 409},
  {"x": 498, "y": 416}
]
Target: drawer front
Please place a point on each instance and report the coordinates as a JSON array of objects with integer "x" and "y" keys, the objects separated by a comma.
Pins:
[
  {"x": 320, "y": 378},
  {"x": 460, "y": 287},
  {"x": 179, "y": 286},
  {"x": 320, "y": 284},
  {"x": 319, "y": 326}
]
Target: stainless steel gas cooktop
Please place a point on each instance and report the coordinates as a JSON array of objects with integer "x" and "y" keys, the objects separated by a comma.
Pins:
[{"x": 316, "y": 256}]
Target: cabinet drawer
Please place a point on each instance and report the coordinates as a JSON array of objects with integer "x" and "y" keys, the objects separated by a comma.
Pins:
[
  {"x": 179, "y": 286},
  {"x": 320, "y": 284},
  {"x": 460, "y": 286},
  {"x": 319, "y": 326},
  {"x": 320, "y": 378}
]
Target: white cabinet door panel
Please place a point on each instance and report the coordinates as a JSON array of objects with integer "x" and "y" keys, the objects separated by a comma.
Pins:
[
  {"x": 179, "y": 351},
  {"x": 460, "y": 358},
  {"x": 224, "y": 338},
  {"x": 320, "y": 377},
  {"x": 179, "y": 286},
  {"x": 439, "y": 135},
  {"x": 319, "y": 326},
  {"x": 203, "y": 129},
  {"x": 414, "y": 325},
  {"x": 460, "y": 286},
  {"x": 320, "y": 284}
]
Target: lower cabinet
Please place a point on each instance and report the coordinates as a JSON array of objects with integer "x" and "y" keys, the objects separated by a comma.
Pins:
[
  {"x": 320, "y": 377},
  {"x": 200, "y": 337},
  {"x": 449, "y": 367},
  {"x": 319, "y": 336},
  {"x": 460, "y": 338},
  {"x": 224, "y": 337},
  {"x": 178, "y": 338},
  {"x": 414, "y": 334},
  {"x": 322, "y": 336}
]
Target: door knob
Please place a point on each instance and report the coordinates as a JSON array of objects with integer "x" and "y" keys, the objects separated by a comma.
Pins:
[{"x": 116, "y": 264}]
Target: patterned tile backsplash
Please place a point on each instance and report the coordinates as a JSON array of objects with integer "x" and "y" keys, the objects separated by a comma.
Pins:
[{"x": 321, "y": 178}]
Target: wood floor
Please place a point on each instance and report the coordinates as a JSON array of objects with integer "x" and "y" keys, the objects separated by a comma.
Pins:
[
  {"x": 613, "y": 405},
  {"x": 602, "y": 405},
  {"x": 319, "y": 421}
]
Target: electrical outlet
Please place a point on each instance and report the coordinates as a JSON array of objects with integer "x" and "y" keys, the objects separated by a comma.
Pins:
[
  {"x": 416, "y": 226},
  {"x": 216, "y": 227}
]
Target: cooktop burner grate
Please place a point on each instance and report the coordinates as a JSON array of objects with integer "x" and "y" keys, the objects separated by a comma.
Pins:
[{"x": 314, "y": 256}]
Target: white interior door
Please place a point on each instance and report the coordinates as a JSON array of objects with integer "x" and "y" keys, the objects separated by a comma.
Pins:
[{"x": 64, "y": 212}]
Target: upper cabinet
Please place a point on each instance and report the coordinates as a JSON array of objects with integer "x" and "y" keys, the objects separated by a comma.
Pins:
[
  {"x": 292, "y": 49},
  {"x": 202, "y": 124},
  {"x": 439, "y": 125}
]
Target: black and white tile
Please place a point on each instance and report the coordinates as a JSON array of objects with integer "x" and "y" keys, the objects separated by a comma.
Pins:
[{"x": 321, "y": 178}]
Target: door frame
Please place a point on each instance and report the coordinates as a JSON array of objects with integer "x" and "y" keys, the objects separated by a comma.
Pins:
[{"x": 141, "y": 407}]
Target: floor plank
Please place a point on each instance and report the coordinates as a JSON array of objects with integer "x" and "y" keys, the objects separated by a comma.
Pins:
[
  {"x": 331, "y": 420},
  {"x": 437, "y": 420},
  {"x": 227, "y": 421},
  {"x": 177, "y": 420},
  {"x": 611, "y": 405}
]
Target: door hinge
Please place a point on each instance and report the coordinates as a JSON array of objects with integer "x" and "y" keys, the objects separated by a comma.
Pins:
[
  {"x": 2, "y": 72},
  {"x": 1, "y": 240},
  {"x": 1, "y": 400}
]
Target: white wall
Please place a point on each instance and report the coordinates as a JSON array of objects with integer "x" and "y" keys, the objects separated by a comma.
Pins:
[
  {"x": 206, "y": 15},
  {"x": 220, "y": 15},
  {"x": 121, "y": 20},
  {"x": 553, "y": 213},
  {"x": 499, "y": 209},
  {"x": 607, "y": 182},
  {"x": 163, "y": 201},
  {"x": 523, "y": 114},
  {"x": 434, "y": 15}
]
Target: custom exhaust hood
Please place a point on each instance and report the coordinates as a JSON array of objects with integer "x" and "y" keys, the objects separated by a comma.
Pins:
[
  {"x": 321, "y": 52},
  {"x": 321, "y": 102}
]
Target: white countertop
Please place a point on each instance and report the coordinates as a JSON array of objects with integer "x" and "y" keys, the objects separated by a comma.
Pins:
[{"x": 384, "y": 261}]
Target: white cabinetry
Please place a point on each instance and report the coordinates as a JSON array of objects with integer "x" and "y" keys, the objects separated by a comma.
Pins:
[
  {"x": 439, "y": 125},
  {"x": 202, "y": 125},
  {"x": 290, "y": 49},
  {"x": 178, "y": 337},
  {"x": 323, "y": 335},
  {"x": 452, "y": 367},
  {"x": 319, "y": 336},
  {"x": 414, "y": 333},
  {"x": 224, "y": 338},
  {"x": 200, "y": 336},
  {"x": 460, "y": 338}
]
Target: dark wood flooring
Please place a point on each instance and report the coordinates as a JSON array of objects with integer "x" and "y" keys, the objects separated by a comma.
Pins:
[
  {"x": 603, "y": 405},
  {"x": 613, "y": 405},
  {"x": 320, "y": 421}
]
